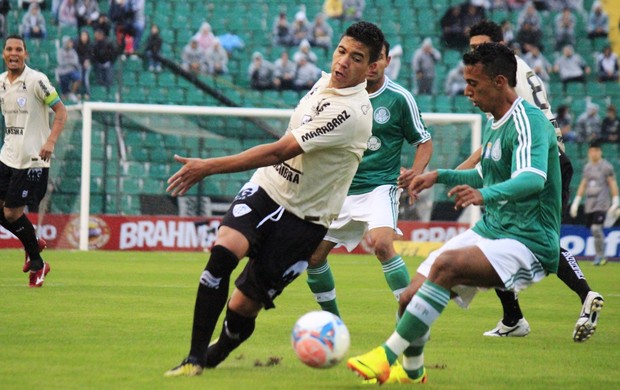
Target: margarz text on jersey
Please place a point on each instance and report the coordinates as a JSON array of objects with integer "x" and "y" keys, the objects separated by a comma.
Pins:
[{"x": 331, "y": 125}]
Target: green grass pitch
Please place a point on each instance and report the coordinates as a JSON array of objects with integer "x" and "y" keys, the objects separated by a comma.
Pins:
[{"x": 118, "y": 320}]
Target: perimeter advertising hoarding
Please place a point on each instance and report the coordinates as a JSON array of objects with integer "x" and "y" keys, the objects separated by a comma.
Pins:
[{"x": 197, "y": 234}]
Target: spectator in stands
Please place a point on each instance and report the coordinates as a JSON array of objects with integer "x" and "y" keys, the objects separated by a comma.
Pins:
[
  {"x": 84, "y": 49},
  {"x": 529, "y": 35},
  {"x": 471, "y": 14},
  {"x": 393, "y": 68},
  {"x": 423, "y": 64},
  {"x": 284, "y": 72},
  {"x": 88, "y": 12},
  {"x": 300, "y": 30},
  {"x": 281, "y": 33},
  {"x": 529, "y": 14},
  {"x": 5, "y": 7},
  {"x": 565, "y": 123},
  {"x": 607, "y": 62},
  {"x": 353, "y": 9},
  {"x": 33, "y": 23},
  {"x": 321, "y": 33},
  {"x": 67, "y": 14},
  {"x": 103, "y": 23},
  {"x": 25, "y": 4},
  {"x": 539, "y": 64},
  {"x": 260, "y": 72},
  {"x": 305, "y": 50},
  {"x": 571, "y": 67},
  {"x": 193, "y": 58},
  {"x": 509, "y": 34},
  {"x": 307, "y": 74},
  {"x": 334, "y": 9},
  {"x": 564, "y": 29},
  {"x": 105, "y": 53},
  {"x": 598, "y": 22},
  {"x": 610, "y": 127},
  {"x": 137, "y": 21},
  {"x": 588, "y": 125},
  {"x": 216, "y": 59},
  {"x": 455, "y": 83},
  {"x": 152, "y": 49},
  {"x": 516, "y": 5},
  {"x": 122, "y": 16},
  {"x": 231, "y": 42},
  {"x": 204, "y": 37},
  {"x": 68, "y": 70},
  {"x": 453, "y": 34}
]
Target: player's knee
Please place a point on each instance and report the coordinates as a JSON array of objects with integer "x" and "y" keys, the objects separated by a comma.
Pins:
[
  {"x": 384, "y": 250},
  {"x": 12, "y": 215},
  {"x": 316, "y": 260},
  {"x": 445, "y": 269},
  {"x": 222, "y": 261}
]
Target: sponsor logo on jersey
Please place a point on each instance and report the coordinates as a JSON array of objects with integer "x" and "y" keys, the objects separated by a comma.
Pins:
[
  {"x": 240, "y": 210},
  {"x": 246, "y": 191},
  {"x": 365, "y": 108},
  {"x": 321, "y": 106},
  {"x": 496, "y": 151},
  {"x": 287, "y": 172},
  {"x": 487, "y": 150},
  {"x": 374, "y": 143},
  {"x": 382, "y": 115},
  {"x": 46, "y": 91},
  {"x": 21, "y": 101},
  {"x": 306, "y": 118},
  {"x": 329, "y": 126},
  {"x": 14, "y": 130}
]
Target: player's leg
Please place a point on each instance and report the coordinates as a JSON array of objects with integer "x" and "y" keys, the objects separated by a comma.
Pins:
[
  {"x": 599, "y": 242},
  {"x": 392, "y": 264},
  {"x": 321, "y": 279},
  {"x": 512, "y": 324}
]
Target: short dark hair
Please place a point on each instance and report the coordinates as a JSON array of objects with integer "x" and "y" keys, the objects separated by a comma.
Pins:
[
  {"x": 596, "y": 144},
  {"x": 15, "y": 36},
  {"x": 497, "y": 60},
  {"x": 386, "y": 44},
  {"x": 368, "y": 34},
  {"x": 488, "y": 28}
]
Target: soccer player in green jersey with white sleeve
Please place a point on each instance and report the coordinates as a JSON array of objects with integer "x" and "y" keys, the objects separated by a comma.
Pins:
[
  {"x": 515, "y": 244},
  {"x": 371, "y": 206}
]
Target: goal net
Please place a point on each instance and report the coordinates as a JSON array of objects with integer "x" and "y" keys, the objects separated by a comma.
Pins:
[{"x": 113, "y": 160}]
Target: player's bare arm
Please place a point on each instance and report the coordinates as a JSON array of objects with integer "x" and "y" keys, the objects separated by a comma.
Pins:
[
  {"x": 60, "y": 117},
  {"x": 422, "y": 157},
  {"x": 422, "y": 182},
  {"x": 464, "y": 196},
  {"x": 196, "y": 169}
]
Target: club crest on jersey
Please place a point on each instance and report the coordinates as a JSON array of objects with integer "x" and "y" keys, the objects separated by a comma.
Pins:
[
  {"x": 374, "y": 143},
  {"x": 382, "y": 115},
  {"x": 496, "y": 151},
  {"x": 21, "y": 101}
]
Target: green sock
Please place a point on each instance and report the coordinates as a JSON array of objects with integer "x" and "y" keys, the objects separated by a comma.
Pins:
[
  {"x": 396, "y": 275},
  {"x": 424, "y": 308},
  {"x": 321, "y": 283},
  {"x": 413, "y": 359}
]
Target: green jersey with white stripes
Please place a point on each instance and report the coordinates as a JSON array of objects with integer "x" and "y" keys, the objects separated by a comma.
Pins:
[
  {"x": 523, "y": 140},
  {"x": 395, "y": 118}
]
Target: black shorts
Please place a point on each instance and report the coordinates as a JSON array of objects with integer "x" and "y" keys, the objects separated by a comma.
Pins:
[
  {"x": 280, "y": 243},
  {"x": 595, "y": 218},
  {"x": 566, "y": 169},
  {"x": 21, "y": 187}
]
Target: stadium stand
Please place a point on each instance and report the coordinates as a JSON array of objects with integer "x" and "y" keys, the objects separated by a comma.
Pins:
[{"x": 132, "y": 155}]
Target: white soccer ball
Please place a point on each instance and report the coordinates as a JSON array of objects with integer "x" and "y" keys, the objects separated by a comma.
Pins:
[{"x": 320, "y": 339}]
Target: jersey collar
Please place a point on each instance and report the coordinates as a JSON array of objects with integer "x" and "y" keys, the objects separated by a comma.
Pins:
[{"x": 496, "y": 124}]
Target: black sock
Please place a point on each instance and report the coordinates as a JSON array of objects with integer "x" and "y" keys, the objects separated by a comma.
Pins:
[
  {"x": 510, "y": 305},
  {"x": 570, "y": 273},
  {"x": 235, "y": 330},
  {"x": 22, "y": 228},
  {"x": 211, "y": 298}
]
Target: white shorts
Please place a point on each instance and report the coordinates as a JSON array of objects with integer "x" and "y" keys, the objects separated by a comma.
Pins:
[
  {"x": 515, "y": 264},
  {"x": 360, "y": 213}
]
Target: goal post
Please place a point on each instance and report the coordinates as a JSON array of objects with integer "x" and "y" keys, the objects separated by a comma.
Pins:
[{"x": 256, "y": 115}]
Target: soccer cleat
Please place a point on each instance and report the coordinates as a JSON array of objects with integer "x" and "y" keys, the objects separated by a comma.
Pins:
[
  {"x": 521, "y": 329},
  {"x": 38, "y": 277},
  {"x": 188, "y": 367},
  {"x": 42, "y": 245},
  {"x": 600, "y": 261},
  {"x": 371, "y": 365},
  {"x": 399, "y": 375},
  {"x": 588, "y": 318}
]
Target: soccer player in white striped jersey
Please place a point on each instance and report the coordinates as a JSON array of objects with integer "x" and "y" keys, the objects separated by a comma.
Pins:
[{"x": 371, "y": 206}]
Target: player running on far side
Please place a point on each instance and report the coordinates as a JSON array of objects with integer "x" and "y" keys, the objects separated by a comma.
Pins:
[
  {"x": 280, "y": 217},
  {"x": 515, "y": 244},
  {"x": 372, "y": 201},
  {"x": 26, "y": 96},
  {"x": 513, "y": 323}
]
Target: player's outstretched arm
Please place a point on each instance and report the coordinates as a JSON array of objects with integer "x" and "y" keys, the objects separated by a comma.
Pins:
[
  {"x": 422, "y": 157},
  {"x": 420, "y": 183},
  {"x": 196, "y": 169}
]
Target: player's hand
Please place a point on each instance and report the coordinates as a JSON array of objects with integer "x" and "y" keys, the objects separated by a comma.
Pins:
[
  {"x": 574, "y": 207},
  {"x": 46, "y": 151},
  {"x": 405, "y": 177},
  {"x": 421, "y": 182},
  {"x": 192, "y": 171},
  {"x": 464, "y": 196}
]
